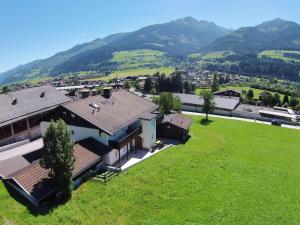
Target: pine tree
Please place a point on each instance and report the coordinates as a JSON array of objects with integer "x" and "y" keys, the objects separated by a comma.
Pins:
[
  {"x": 148, "y": 85},
  {"x": 58, "y": 155},
  {"x": 208, "y": 105},
  {"x": 215, "y": 84}
]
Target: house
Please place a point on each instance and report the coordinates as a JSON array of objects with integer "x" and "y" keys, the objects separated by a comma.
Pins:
[
  {"x": 223, "y": 105},
  {"x": 22, "y": 111},
  {"x": 119, "y": 119},
  {"x": 174, "y": 126}
]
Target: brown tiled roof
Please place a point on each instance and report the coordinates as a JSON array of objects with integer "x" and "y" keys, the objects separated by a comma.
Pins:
[
  {"x": 120, "y": 110},
  {"x": 35, "y": 181},
  {"x": 178, "y": 120},
  {"x": 29, "y": 101}
]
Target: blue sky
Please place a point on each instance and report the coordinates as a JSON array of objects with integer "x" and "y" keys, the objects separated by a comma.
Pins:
[{"x": 34, "y": 29}]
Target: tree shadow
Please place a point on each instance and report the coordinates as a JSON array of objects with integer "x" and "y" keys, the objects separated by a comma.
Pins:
[
  {"x": 43, "y": 209},
  {"x": 205, "y": 122}
]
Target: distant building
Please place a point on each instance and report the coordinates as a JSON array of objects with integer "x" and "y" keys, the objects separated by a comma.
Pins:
[{"x": 223, "y": 105}]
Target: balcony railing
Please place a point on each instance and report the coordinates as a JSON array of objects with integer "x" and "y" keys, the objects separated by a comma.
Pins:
[{"x": 130, "y": 134}]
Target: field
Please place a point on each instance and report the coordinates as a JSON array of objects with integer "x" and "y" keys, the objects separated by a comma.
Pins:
[
  {"x": 139, "y": 59},
  {"x": 229, "y": 172},
  {"x": 136, "y": 72},
  {"x": 238, "y": 88},
  {"x": 281, "y": 54},
  {"x": 212, "y": 55}
]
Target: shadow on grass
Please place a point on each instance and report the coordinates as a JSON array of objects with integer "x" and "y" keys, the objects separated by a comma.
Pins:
[
  {"x": 35, "y": 210},
  {"x": 205, "y": 122}
]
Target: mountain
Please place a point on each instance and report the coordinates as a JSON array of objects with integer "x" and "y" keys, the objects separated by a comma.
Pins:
[
  {"x": 274, "y": 34},
  {"x": 44, "y": 67},
  {"x": 175, "y": 38}
]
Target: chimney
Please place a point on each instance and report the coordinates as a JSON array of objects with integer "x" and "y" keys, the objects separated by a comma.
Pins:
[
  {"x": 14, "y": 101},
  {"x": 107, "y": 92},
  {"x": 42, "y": 94}
]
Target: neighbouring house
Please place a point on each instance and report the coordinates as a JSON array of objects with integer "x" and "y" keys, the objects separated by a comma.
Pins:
[
  {"x": 119, "y": 119},
  {"x": 174, "y": 126},
  {"x": 228, "y": 93},
  {"x": 223, "y": 105},
  {"x": 22, "y": 111}
]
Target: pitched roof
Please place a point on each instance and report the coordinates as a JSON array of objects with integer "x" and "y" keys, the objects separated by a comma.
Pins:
[
  {"x": 121, "y": 109},
  {"x": 178, "y": 120},
  {"x": 221, "y": 102},
  {"x": 34, "y": 179},
  {"x": 29, "y": 101},
  {"x": 12, "y": 165}
]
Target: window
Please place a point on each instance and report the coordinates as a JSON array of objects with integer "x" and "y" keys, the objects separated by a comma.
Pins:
[
  {"x": 20, "y": 126},
  {"x": 5, "y": 132}
]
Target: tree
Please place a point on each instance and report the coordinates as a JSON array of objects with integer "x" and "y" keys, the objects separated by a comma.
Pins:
[
  {"x": 167, "y": 102},
  {"x": 4, "y": 89},
  {"x": 267, "y": 98},
  {"x": 285, "y": 100},
  {"x": 297, "y": 108},
  {"x": 58, "y": 155},
  {"x": 136, "y": 85},
  {"x": 276, "y": 99},
  {"x": 250, "y": 94},
  {"x": 127, "y": 85},
  {"x": 187, "y": 86},
  {"x": 177, "y": 83},
  {"x": 148, "y": 85},
  {"x": 294, "y": 102},
  {"x": 208, "y": 102},
  {"x": 153, "y": 91},
  {"x": 215, "y": 83}
]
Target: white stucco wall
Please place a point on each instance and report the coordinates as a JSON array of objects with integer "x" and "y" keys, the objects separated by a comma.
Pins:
[
  {"x": 80, "y": 133},
  {"x": 149, "y": 133}
]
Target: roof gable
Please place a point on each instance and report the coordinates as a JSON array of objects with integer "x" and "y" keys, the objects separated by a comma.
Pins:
[{"x": 111, "y": 114}]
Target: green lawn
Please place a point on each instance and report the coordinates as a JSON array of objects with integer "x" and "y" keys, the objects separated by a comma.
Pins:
[
  {"x": 238, "y": 88},
  {"x": 229, "y": 172}
]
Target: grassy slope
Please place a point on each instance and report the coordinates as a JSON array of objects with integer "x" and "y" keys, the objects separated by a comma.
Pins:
[
  {"x": 229, "y": 172},
  {"x": 139, "y": 58},
  {"x": 211, "y": 55},
  {"x": 279, "y": 54},
  {"x": 255, "y": 91}
]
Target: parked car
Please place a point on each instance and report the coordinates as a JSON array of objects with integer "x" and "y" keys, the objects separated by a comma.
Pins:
[{"x": 275, "y": 123}]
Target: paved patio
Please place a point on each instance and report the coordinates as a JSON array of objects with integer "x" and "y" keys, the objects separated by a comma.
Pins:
[
  {"x": 22, "y": 150},
  {"x": 139, "y": 156}
]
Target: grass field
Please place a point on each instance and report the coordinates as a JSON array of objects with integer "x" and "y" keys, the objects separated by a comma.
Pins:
[
  {"x": 136, "y": 72},
  {"x": 238, "y": 88},
  {"x": 211, "y": 55},
  {"x": 139, "y": 59},
  {"x": 229, "y": 172},
  {"x": 281, "y": 54}
]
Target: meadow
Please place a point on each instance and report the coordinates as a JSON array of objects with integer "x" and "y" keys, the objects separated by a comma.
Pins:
[{"x": 229, "y": 172}]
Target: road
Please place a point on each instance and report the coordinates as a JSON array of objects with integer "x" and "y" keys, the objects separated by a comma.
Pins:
[{"x": 241, "y": 119}]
